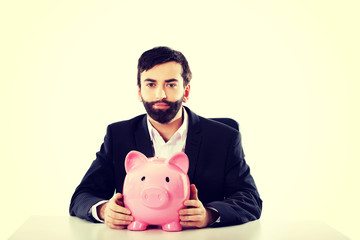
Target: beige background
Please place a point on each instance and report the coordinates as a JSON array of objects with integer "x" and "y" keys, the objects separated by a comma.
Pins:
[{"x": 287, "y": 71}]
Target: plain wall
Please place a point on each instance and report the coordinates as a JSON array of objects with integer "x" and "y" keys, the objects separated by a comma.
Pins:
[{"x": 287, "y": 71}]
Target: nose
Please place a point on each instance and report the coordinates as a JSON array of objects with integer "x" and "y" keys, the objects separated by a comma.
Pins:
[
  {"x": 160, "y": 93},
  {"x": 154, "y": 197}
]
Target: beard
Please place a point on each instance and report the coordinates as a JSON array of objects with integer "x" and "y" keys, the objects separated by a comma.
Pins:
[{"x": 160, "y": 115}]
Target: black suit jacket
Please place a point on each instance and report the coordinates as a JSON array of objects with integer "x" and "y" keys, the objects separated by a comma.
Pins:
[{"x": 216, "y": 166}]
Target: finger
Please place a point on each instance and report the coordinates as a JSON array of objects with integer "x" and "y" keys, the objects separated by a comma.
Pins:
[
  {"x": 118, "y": 197},
  {"x": 113, "y": 226},
  {"x": 191, "y": 211},
  {"x": 119, "y": 216},
  {"x": 192, "y": 218},
  {"x": 118, "y": 221},
  {"x": 193, "y": 192},
  {"x": 192, "y": 203},
  {"x": 191, "y": 224},
  {"x": 117, "y": 208}
]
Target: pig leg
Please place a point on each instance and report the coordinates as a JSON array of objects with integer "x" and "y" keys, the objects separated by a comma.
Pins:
[
  {"x": 137, "y": 226},
  {"x": 172, "y": 227}
]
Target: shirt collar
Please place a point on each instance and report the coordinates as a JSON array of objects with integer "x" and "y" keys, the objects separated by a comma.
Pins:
[{"x": 179, "y": 134}]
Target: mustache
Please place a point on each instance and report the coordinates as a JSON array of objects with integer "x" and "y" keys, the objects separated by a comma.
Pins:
[{"x": 161, "y": 101}]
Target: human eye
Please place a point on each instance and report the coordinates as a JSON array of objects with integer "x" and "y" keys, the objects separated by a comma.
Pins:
[
  {"x": 150, "y": 85},
  {"x": 172, "y": 85}
]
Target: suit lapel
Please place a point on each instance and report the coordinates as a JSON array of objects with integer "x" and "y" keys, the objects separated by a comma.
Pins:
[
  {"x": 144, "y": 145},
  {"x": 193, "y": 141},
  {"x": 142, "y": 139}
]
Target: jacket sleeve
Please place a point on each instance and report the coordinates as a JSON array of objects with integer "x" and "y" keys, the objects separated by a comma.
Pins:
[
  {"x": 241, "y": 202},
  {"x": 98, "y": 183}
]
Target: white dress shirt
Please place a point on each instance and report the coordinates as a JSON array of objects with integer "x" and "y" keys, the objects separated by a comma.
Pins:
[{"x": 175, "y": 144}]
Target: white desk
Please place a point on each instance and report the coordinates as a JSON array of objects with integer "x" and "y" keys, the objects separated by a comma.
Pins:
[{"x": 47, "y": 227}]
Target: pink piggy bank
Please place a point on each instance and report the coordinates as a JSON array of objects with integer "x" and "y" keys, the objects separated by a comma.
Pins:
[{"x": 155, "y": 190}]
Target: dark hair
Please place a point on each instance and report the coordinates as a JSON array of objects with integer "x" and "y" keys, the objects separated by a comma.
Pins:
[{"x": 160, "y": 55}]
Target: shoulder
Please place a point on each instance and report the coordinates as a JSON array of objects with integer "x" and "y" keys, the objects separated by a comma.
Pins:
[
  {"x": 224, "y": 127},
  {"x": 212, "y": 127},
  {"x": 200, "y": 122},
  {"x": 225, "y": 124},
  {"x": 129, "y": 124}
]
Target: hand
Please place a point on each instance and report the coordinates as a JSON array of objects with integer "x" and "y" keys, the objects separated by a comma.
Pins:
[
  {"x": 114, "y": 213},
  {"x": 195, "y": 215}
]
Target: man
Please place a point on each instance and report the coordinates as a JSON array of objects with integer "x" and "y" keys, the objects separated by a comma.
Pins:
[{"x": 222, "y": 190}]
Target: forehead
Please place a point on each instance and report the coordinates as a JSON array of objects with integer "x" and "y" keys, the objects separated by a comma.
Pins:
[{"x": 162, "y": 72}]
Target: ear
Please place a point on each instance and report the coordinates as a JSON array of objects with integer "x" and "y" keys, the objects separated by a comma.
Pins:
[
  {"x": 139, "y": 94},
  {"x": 186, "y": 93},
  {"x": 181, "y": 161},
  {"x": 134, "y": 159}
]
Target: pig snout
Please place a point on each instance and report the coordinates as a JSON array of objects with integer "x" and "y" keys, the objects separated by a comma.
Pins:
[{"x": 154, "y": 197}]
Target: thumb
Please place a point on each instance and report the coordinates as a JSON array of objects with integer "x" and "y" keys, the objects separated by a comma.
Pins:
[
  {"x": 118, "y": 199},
  {"x": 193, "y": 192},
  {"x": 118, "y": 196}
]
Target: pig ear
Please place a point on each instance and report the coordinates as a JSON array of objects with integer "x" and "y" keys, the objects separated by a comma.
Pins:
[
  {"x": 133, "y": 159},
  {"x": 181, "y": 161}
]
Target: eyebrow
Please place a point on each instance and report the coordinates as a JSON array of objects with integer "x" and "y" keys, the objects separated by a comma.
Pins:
[{"x": 167, "y": 81}]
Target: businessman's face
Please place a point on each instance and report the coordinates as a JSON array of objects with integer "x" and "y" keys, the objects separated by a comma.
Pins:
[{"x": 162, "y": 91}]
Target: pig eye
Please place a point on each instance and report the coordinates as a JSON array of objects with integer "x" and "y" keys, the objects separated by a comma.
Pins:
[
  {"x": 167, "y": 179},
  {"x": 143, "y": 178}
]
